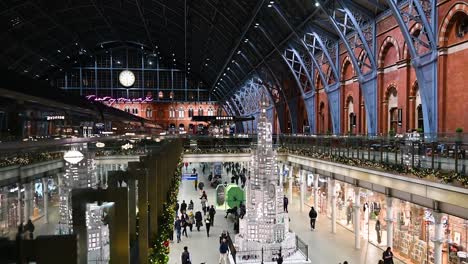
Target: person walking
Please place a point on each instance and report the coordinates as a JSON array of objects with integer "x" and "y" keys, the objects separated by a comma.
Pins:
[
  {"x": 177, "y": 207},
  {"x": 387, "y": 256},
  {"x": 313, "y": 217},
  {"x": 285, "y": 204},
  {"x": 30, "y": 229},
  {"x": 378, "y": 231},
  {"x": 198, "y": 220},
  {"x": 178, "y": 228},
  {"x": 190, "y": 205},
  {"x": 191, "y": 220},
  {"x": 184, "y": 224},
  {"x": 349, "y": 213},
  {"x": 223, "y": 251},
  {"x": 183, "y": 207},
  {"x": 212, "y": 213},
  {"x": 186, "y": 256},
  {"x": 207, "y": 225},
  {"x": 203, "y": 203}
]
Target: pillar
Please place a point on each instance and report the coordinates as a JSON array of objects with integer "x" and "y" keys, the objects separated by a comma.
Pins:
[
  {"x": 389, "y": 220},
  {"x": 332, "y": 195},
  {"x": 438, "y": 237},
  {"x": 291, "y": 168},
  {"x": 280, "y": 171},
  {"x": 302, "y": 176},
  {"x": 316, "y": 192},
  {"x": 357, "y": 218},
  {"x": 27, "y": 201},
  {"x": 45, "y": 198},
  {"x": 132, "y": 209},
  {"x": 20, "y": 203}
]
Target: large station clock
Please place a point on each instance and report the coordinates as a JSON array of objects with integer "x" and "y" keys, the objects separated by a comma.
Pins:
[{"x": 126, "y": 78}]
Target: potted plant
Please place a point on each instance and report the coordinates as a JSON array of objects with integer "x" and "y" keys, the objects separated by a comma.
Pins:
[{"x": 391, "y": 133}]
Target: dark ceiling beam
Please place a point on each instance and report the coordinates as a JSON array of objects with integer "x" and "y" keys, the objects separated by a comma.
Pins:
[
  {"x": 106, "y": 20},
  {"x": 378, "y": 5},
  {"x": 216, "y": 9},
  {"x": 239, "y": 41},
  {"x": 282, "y": 42},
  {"x": 143, "y": 20}
]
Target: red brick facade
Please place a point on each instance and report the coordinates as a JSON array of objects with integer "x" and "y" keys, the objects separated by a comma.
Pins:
[
  {"x": 171, "y": 113},
  {"x": 397, "y": 83}
]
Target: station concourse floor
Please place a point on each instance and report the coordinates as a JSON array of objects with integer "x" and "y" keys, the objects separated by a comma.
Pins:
[{"x": 324, "y": 247}]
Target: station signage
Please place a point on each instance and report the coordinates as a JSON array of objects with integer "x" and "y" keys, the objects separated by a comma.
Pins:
[
  {"x": 58, "y": 117},
  {"x": 111, "y": 100}
]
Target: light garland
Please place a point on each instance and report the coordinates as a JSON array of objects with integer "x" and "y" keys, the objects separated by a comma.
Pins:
[{"x": 159, "y": 251}]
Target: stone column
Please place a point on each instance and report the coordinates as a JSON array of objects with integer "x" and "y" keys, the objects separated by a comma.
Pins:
[
  {"x": 45, "y": 198},
  {"x": 27, "y": 201},
  {"x": 290, "y": 183},
  {"x": 332, "y": 195},
  {"x": 389, "y": 220},
  {"x": 20, "y": 203},
  {"x": 357, "y": 218},
  {"x": 280, "y": 171},
  {"x": 438, "y": 237},
  {"x": 302, "y": 175},
  {"x": 316, "y": 192}
]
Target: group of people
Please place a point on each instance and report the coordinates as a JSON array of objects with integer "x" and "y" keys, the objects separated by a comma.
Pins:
[
  {"x": 26, "y": 231},
  {"x": 387, "y": 257},
  {"x": 188, "y": 218}
]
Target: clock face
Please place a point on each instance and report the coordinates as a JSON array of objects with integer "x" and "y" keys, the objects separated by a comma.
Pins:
[{"x": 127, "y": 78}]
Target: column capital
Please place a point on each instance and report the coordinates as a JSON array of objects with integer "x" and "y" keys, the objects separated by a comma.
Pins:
[{"x": 437, "y": 217}]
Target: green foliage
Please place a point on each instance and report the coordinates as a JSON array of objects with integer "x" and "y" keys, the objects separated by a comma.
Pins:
[
  {"x": 159, "y": 251},
  {"x": 459, "y": 130}
]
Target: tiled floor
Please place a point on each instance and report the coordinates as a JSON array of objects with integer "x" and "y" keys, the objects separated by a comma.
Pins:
[{"x": 324, "y": 247}]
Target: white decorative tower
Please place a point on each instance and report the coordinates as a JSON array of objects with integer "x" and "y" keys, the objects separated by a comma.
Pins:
[{"x": 265, "y": 226}]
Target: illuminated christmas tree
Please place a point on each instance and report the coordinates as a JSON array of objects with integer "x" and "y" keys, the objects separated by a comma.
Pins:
[{"x": 264, "y": 230}]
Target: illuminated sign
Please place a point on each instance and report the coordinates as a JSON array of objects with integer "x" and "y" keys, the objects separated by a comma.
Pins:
[
  {"x": 111, "y": 100},
  {"x": 224, "y": 118},
  {"x": 55, "y": 118}
]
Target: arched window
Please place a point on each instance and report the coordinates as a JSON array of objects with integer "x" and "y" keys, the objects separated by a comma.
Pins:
[
  {"x": 149, "y": 112},
  {"x": 392, "y": 109},
  {"x": 419, "y": 113},
  {"x": 160, "y": 94},
  {"x": 181, "y": 112},
  {"x": 190, "y": 112},
  {"x": 351, "y": 115},
  {"x": 210, "y": 111},
  {"x": 219, "y": 111},
  {"x": 200, "y": 111},
  {"x": 171, "y": 113}
]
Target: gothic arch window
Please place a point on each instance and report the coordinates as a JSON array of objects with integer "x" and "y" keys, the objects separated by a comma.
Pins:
[
  {"x": 210, "y": 111},
  {"x": 149, "y": 112},
  {"x": 392, "y": 99},
  {"x": 160, "y": 94},
  {"x": 419, "y": 118},
  {"x": 462, "y": 26},
  {"x": 219, "y": 111},
  {"x": 200, "y": 111},
  {"x": 171, "y": 112},
  {"x": 321, "y": 118},
  {"x": 181, "y": 112},
  {"x": 190, "y": 112},
  {"x": 351, "y": 115}
]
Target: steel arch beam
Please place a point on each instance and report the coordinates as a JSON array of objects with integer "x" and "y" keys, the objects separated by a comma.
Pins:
[
  {"x": 333, "y": 93},
  {"x": 343, "y": 21},
  {"x": 424, "y": 61}
]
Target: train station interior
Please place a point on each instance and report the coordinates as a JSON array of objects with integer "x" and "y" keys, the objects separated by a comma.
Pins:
[{"x": 234, "y": 132}]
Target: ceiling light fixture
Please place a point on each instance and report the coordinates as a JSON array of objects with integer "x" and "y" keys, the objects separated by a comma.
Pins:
[{"x": 317, "y": 4}]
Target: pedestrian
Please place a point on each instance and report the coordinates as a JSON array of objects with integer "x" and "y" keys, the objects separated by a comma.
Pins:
[
  {"x": 186, "y": 256},
  {"x": 223, "y": 251},
  {"x": 183, "y": 207},
  {"x": 313, "y": 217},
  {"x": 184, "y": 224},
  {"x": 387, "y": 256},
  {"x": 285, "y": 204},
  {"x": 349, "y": 213},
  {"x": 190, "y": 205},
  {"x": 198, "y": 220},
  {"x": 378, "y": 231},
  {"x": 29, "y": 229},
  {"x": 203, "y": 204},
  {"x": 191, "y": 220},
  {"x": 381, "y": 262},
  {"x": 178, "y": 228},
  {"x": 177, "y": 207},
  {"x": 345, "y": 262},
  {"x": 212, "y": 213},
  {"x": 208, "y": 225}
]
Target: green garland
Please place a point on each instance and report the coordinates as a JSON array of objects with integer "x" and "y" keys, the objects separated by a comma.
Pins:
[
  {"x": 159, "y": 252},
  {"x": 444, "y": 176}
]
